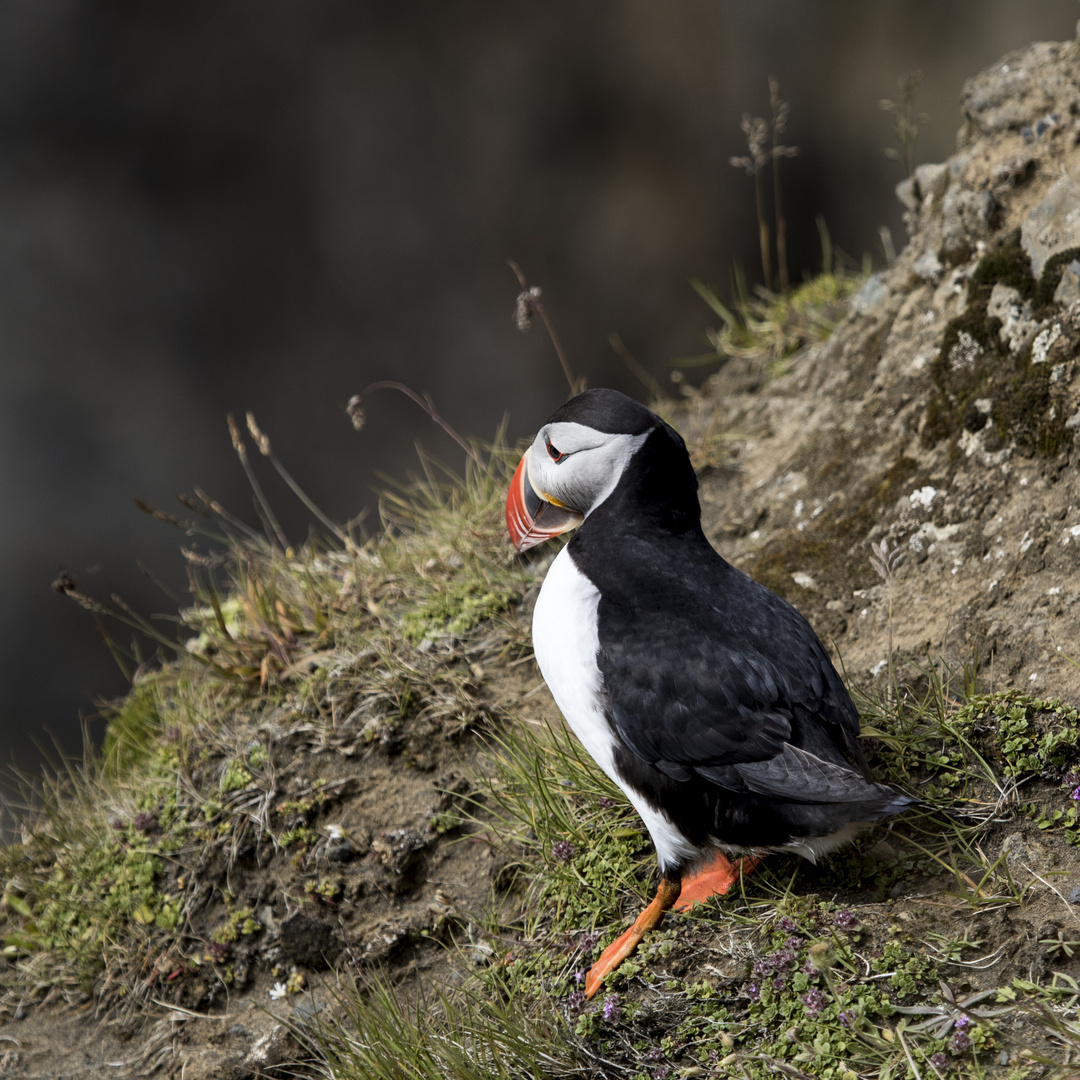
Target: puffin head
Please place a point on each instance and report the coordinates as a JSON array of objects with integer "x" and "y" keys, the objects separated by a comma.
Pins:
[{"x": 575, "y": 462}]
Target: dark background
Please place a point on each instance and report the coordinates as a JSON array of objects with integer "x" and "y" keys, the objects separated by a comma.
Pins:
[{"x": 208, "y": 207}]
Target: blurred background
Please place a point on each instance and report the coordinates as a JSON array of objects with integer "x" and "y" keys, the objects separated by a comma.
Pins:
[{"x": 213, "y": 207}]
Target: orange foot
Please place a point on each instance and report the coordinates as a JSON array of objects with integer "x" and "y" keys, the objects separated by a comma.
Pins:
[
  {"x": 666, "y": 895},
  {"x": 714, "y": 880}
]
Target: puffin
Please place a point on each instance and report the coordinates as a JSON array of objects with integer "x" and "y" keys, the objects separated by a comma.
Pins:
[{"x": 703, "y": 695}]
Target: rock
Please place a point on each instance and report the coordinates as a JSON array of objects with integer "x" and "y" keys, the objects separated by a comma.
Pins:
[
  {"x": 1053, "y": 225},
  {"x": 311, "y": 941},
  {"x": 1018, "y": 329},
  {"x": 871, "y": 296},
  {"x": 932, "y": 180},
  {"x": 402, "y": 852},
  {"x": 966, "y": 219},
  {"x": 308, "y": 1010},
  {"x": 1044, "y": 341},
  {"x": 341, "y": 851},
  {"x": 272, "y": 1048},
  {"x": 907, "y": 193},
  {"x": 1019, "y": 90},
  {"x": 1068, "y": 291},
  {"x": 928, "y": 266}
]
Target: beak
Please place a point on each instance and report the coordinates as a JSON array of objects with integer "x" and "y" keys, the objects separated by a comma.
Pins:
[{"x": 532, "y": 517}]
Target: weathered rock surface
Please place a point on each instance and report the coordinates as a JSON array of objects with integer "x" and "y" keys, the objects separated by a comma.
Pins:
[{"x": 940, "y": 416}]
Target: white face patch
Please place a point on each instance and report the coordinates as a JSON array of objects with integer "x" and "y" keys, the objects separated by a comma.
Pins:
[{"x": 578, "y": 465}]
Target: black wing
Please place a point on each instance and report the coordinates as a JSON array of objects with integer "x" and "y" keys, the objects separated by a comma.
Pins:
[{"x": 730, "y": 675}]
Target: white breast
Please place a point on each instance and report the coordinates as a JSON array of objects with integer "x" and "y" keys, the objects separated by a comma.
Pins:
[{"x": 566, "y": 642}]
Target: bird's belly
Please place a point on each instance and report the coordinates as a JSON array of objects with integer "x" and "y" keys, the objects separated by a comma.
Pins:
[{"x": 566, "y": 643}]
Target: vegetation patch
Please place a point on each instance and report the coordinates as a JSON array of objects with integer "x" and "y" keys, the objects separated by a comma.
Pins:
[{"x": 977, "y": 378}]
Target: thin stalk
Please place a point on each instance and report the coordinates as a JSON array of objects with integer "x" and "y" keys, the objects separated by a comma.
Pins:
[
  {"x": 260, "y": 499},
  {"x": 538, "y": 307},
  {"x": 763, "y": 230},
  {"x": 263, "y": 443},
  {"x": 428, "y": 405},
  {"x": 781, "y": 227}
]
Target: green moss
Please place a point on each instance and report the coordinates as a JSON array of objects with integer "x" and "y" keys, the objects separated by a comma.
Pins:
[
  {"x": 234, "y": 777},
  {"x": 457, "y": 606},
  {"x": 824, "y": 550},
  {"x": 895, "y": 479},
  {"x": 1049, "y": 280},
  {"x": 1006, "y": 263},
  {"x": 972, "y": 364}
]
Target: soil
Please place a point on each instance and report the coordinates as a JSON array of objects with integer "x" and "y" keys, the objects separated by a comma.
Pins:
[{"x": 897, "y": 429}]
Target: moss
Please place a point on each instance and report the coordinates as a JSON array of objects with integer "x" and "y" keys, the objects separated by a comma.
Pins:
[
  {"x": 972, "y": 363},
  {"x": 1006, "y": 263},
  {"x": 896, "y": 477},
  {"x": 1051, "y": 276},
  {"x": 824, "y": 550}
]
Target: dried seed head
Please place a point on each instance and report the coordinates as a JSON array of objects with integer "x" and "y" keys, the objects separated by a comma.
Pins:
[
  {"x": 261, "y": 441},
  {"x": 355, "y": 411},
  {"x": 234, "y": 434},
  {"x": 821, "y": 955},
  {"x": 525, "y": 308},
  {"x": 64, "y": 583}
]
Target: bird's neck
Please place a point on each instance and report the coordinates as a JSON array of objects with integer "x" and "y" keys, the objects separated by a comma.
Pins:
[{"x": 657, "y": 492}]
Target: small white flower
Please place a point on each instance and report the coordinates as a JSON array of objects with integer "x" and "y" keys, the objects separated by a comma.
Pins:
[
  {"x": 278, "y": 992},
  {"x": 335, "y": 832}
]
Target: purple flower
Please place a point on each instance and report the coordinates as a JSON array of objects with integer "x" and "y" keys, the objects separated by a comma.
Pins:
[
  {"x": 809, "y": 969},
  {"x": 605, "y": 803},
  {"x": 145, "y": 822},
  {"x": 814, "y": 1000},
  {"x": 661, "y": 1072},
  {"x": 579, "y": 976},
  {"x": 563, "y": 850},
  {"x": 217, "y": 951},
  {"x": 761, "y": 968},
  {"x": 753, "y": 992},
  {"x": 847, "y": 1018},
  {"x": 939, "y": 1061},
  {"x": 576, "y": 1000},
  {"x": 959, "y": 1043},
  {"x": 787, "y": 925},
  {"x": 782, "y": 959},
  {"x": 778, "y": 983},
  {"x": 589, "y": 940},
  {"x": 846, "y": 920},
  {"x": 963, "y": 1021},
  {"x": 1075, "y": 793},
  {"x": 655, "y": 1054},
  {"x": 611, "y": 1010}
]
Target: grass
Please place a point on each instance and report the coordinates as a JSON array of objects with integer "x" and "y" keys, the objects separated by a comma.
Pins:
[
  {"x": 769, "y": 328},
  {"x": 120, "y": 885}
]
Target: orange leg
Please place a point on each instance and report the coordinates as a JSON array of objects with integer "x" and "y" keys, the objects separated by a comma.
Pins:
[
  {"x": 713, "y": 880},
  {"x": 666, "y": 894}
]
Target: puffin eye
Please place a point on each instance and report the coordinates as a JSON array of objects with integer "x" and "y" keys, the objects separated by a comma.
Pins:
[{"x": 555, "y": 455}]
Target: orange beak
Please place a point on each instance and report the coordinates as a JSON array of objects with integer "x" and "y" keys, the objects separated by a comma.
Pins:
[{"x": 532, "y": 518}]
